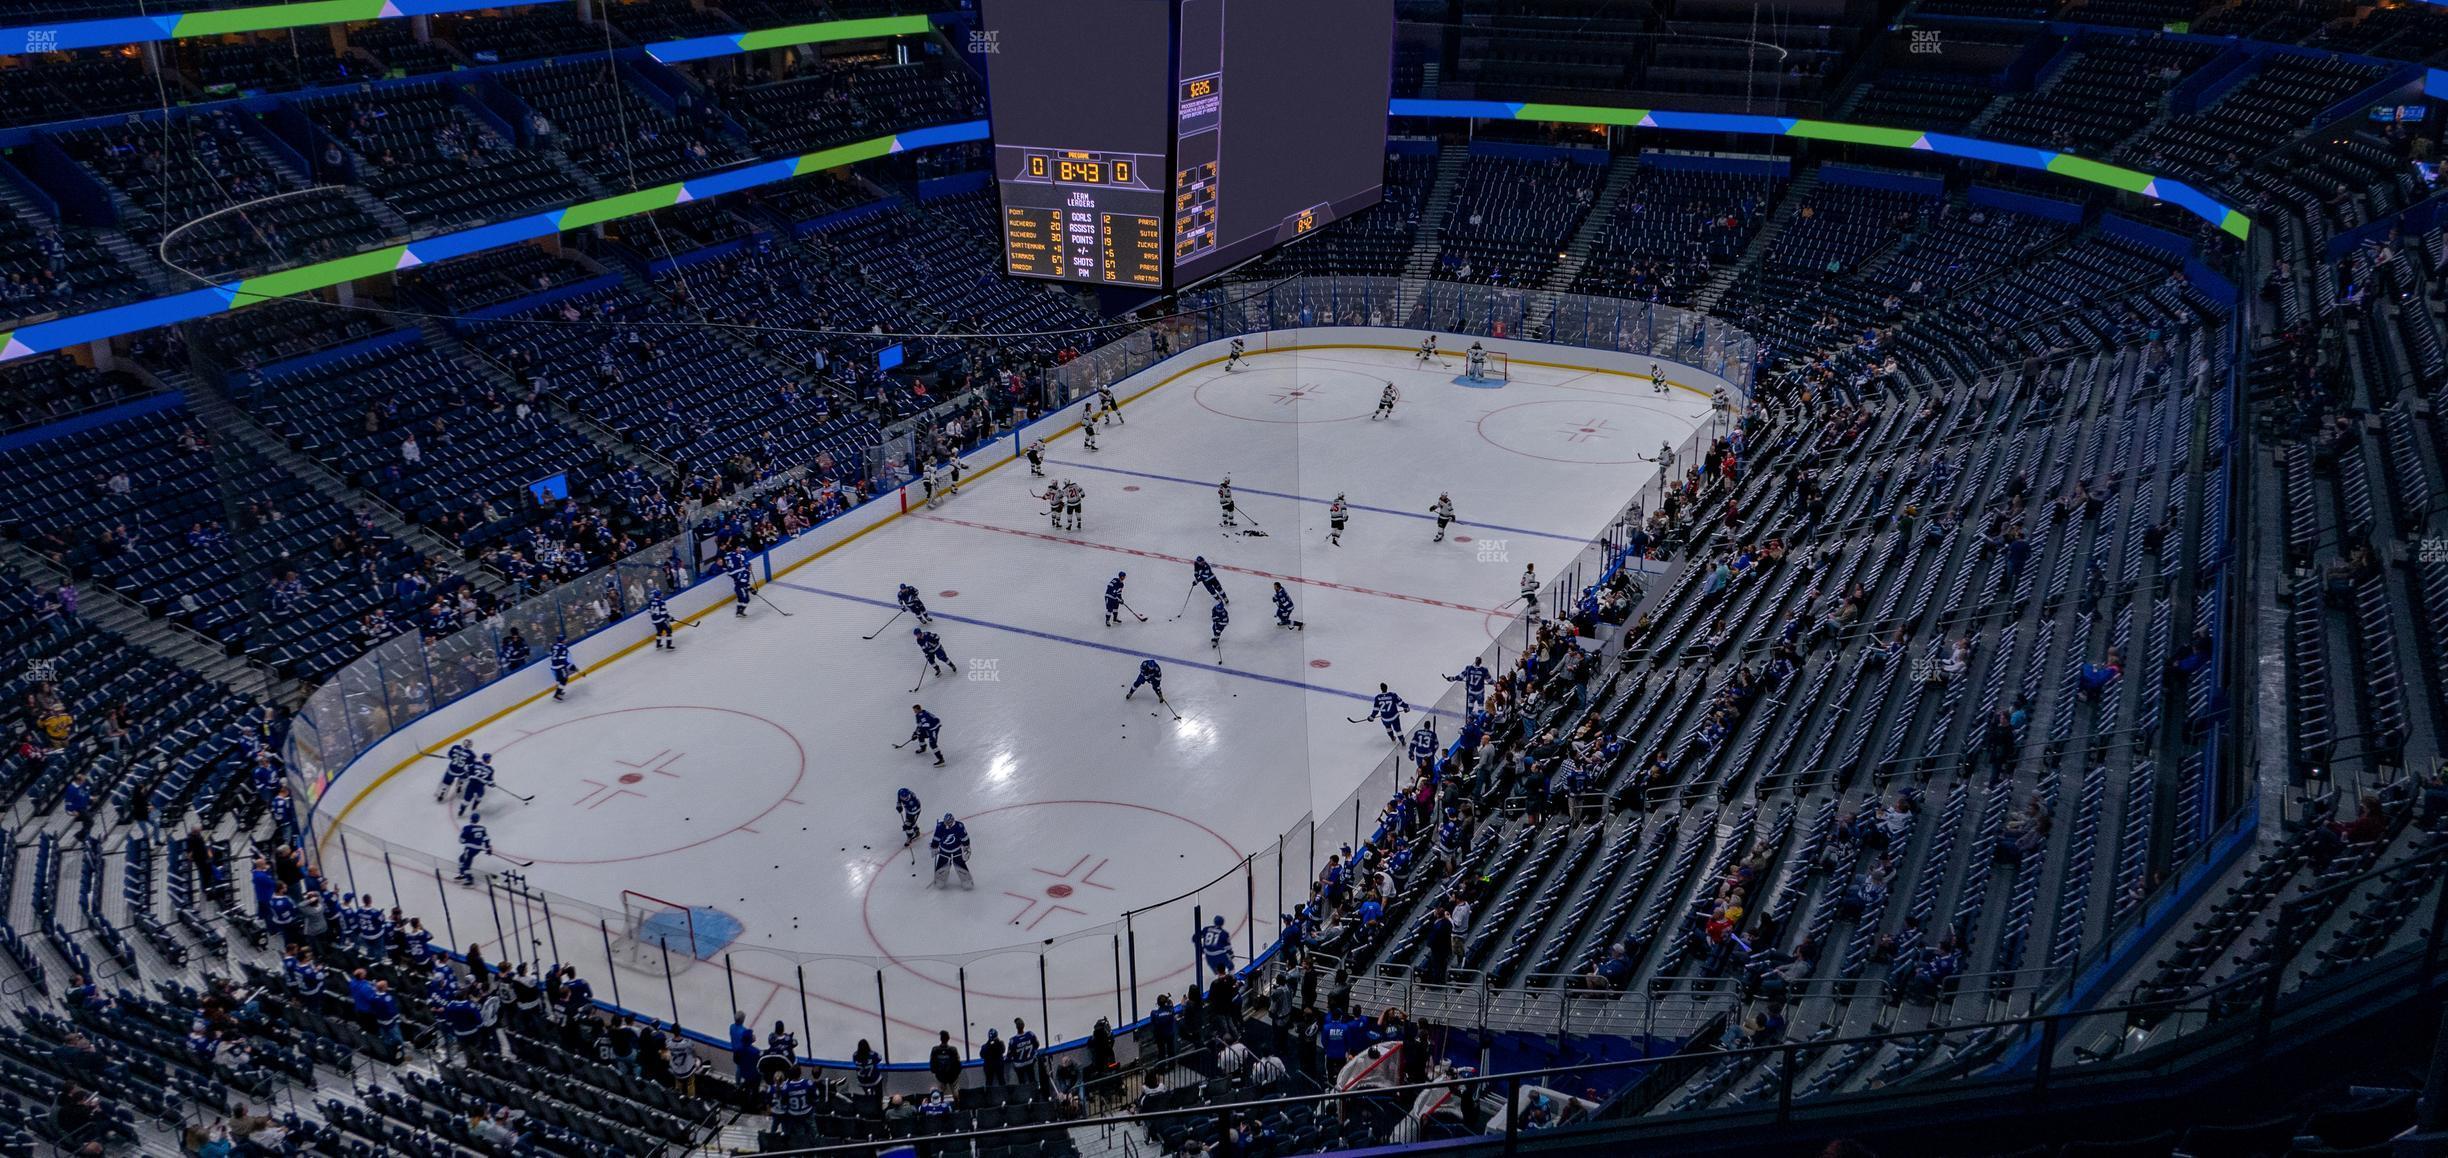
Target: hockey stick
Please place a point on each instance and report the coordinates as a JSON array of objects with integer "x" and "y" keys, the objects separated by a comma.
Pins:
[
  {"x": 1253, "y": 521},
  {"x": 1168, "y": 706},
  {"x": 1135, "y": 611},
  {"x": 904, "y": 743},
  {"x": 769, "y": 602},
  {"x": 922, "y": 675},
  {"x": 1185, "y": 608},
  {"x": 512, "y": 859},
  {"x": 887, "y": 623},
  {"x": 516, "y": 796}
]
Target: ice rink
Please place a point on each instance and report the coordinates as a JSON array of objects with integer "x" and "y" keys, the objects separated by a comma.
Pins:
[{"x": 752, "y": 771}]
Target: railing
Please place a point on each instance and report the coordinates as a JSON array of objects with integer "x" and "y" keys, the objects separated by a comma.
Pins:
[
  {"x": 1743, "y": 1081},
  {"x": 1147, "y": 952}
]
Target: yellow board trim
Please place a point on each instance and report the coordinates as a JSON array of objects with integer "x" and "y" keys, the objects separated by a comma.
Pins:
[{"x": 855, "y": 536}]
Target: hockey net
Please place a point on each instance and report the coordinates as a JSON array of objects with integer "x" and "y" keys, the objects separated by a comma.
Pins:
[
  {"x": 1497, "y": 368},
  {"x": 648, "y": 926}
]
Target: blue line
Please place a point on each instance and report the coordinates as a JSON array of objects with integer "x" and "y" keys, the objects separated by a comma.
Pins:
[
  {"x": 1579, "y": 542},
  {"x": 1219, "y": 669}
]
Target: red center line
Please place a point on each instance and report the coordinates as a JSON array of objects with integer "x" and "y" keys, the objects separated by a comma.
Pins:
[{"x": 1269, "y": 575}]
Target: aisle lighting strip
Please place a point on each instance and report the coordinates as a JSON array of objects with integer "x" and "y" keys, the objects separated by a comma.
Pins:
[{"x": 63, "y": 333}]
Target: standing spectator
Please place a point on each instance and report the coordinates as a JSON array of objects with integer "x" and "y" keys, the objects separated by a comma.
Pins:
[
  {"x": 867, "y": 1066},
  {"x": 990, "y": 1058},
  {"x": 684, "y": 1064},
  {"x": 1027, "y": 1069},
  {"x": 743, "y": 1051},
  {"x": 944, "y": 1061}
]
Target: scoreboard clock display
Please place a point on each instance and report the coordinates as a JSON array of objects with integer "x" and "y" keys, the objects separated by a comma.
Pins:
[{"x": 1155, "y": 143}]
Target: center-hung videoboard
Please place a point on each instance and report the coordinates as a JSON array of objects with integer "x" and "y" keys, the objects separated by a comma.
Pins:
[{"x": 1156, "y": 143}]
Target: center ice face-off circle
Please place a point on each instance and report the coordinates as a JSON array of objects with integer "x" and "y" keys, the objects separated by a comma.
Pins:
[
  {"x": 679, "y": 774},
  {"x": 1292, "y": 394}
]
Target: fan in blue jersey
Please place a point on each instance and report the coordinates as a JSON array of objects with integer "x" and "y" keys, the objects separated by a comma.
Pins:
[
  {"x": 1387, "y": 708},
  {"x": 1113, "y": 598},
  {"x": 660, "y": 613},
  {"x": 1474, "y": 680},
  {"x": 743, "y": 583},
  {"x": 931, "y": 649},
  {"x": 794, "y": 1107},
  {"x": 928, "y": 733},
  {"x": 1205, "y": 576},
  {"x": 906, "y": 803},
  {"x": 474, "y": 782},
  {"x": 1150, "y": 674},
  {"x": 564, "y": 669},
  {"x": 1283, "y": 611},
  {"x": 472, "y": 840},
  {"x": 951, "y": 846},
  {"x": 1216, "y": 620},
  {"x": 1424, "y": 741},
  {"x": 1215, "y": 947},
  {"x": 908, "y": 598}
]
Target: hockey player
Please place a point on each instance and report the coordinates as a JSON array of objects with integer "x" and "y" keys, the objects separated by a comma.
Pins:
[
  {"x": 1073, "y": 495},
  {"x": 932, "y": 480},
  {"x": 1336, "y": 515},
  {"x": 461, "y": 756},
  {"x": 1053, "y": 497},
  {"x": 907, "y": 597},
  {"x": 1088, "y": 425},
  {"x": 1476, "y": 360},
  {"x": 564, "y": 669},
  {"x": 660, "y": 614},
  {"x": 1474, "y": 681},
  {"x": 1036, "y": 457},
  {"x": 1530, "y": 588},
  {"x": 1215, "y": 947},
  {"x": 1113, "y": 598},
  {"x": 474, "y": 783},
  {"x": 951, "y": 845},
  {"x": 1385, "y": 402},
  {"x": 472, "y": 840},
  {"x": 1204, "y": 575},
  {"x": 1233, "y": 362},
  {"x": 1423, "y": 742},
  {"x": 931, "y": 649},
  {"x": 1443, "y": 510},
  {"x": 906, "y": 803},
  {"x": 1657, "y": 381},
  {"x": 743, "y": 584},
  {"x": 928, "y": 732},
  {"x": 1427, "y": 350},
  {"x": 1151, "y": 674},
  {"x": 1216, "y": 620},
  {"x": 1106, "y": 405},
  {"x": 1387, "y": 708},
  {"x": 1283, "y": 611},
  {"x": 1224, "y": 500},
  {"x": 952, "y": 473}
]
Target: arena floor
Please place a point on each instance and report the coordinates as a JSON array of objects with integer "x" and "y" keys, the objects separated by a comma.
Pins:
[{"x": 752, "y": 771}]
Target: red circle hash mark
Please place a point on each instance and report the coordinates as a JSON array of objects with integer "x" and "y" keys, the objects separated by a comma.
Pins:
[
  {"x": 631, "y": 777},
  {"x": 1058, "y": 890},
  {"x": 1131, "y": 487},
  {"x": 1462, "y": 538},
  {"x": 1321, "y": 663},
  {"x": 948, "y": 594}
]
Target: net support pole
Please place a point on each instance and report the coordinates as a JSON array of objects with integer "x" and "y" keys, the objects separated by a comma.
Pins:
[
  {"x": 963, "y": 976},
  {"x": 730, "y": 986},
  {"x": 883, "y": 1023},
  {"x": 1198, "y": 961},
  {"x": 500, "y": 939},
  {"x": 450, "y": 930},
  {"x": 347, "y": 863},
  {"x": 805, "y": 1033},
  {"x": 1249, "y": 887},
  {"x": 393, "y": 875},
  {"x": 610, "y": 971},
  {"x": 1117, "y": 955},
  {"x": 671, "y": 992},
  {"x": 1130, "y": 935},
  {"x": 1045, "y": 1003},
  {"x": 552, "y": 939}
]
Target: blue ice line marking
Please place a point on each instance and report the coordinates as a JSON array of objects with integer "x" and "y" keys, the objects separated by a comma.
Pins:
[
  {"x": 1363, "y": 697},
  {"x": 1582, "y": 541}
]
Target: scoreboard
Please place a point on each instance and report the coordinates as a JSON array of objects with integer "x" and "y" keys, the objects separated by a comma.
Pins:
[{"x": 1155, "y": 143}]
